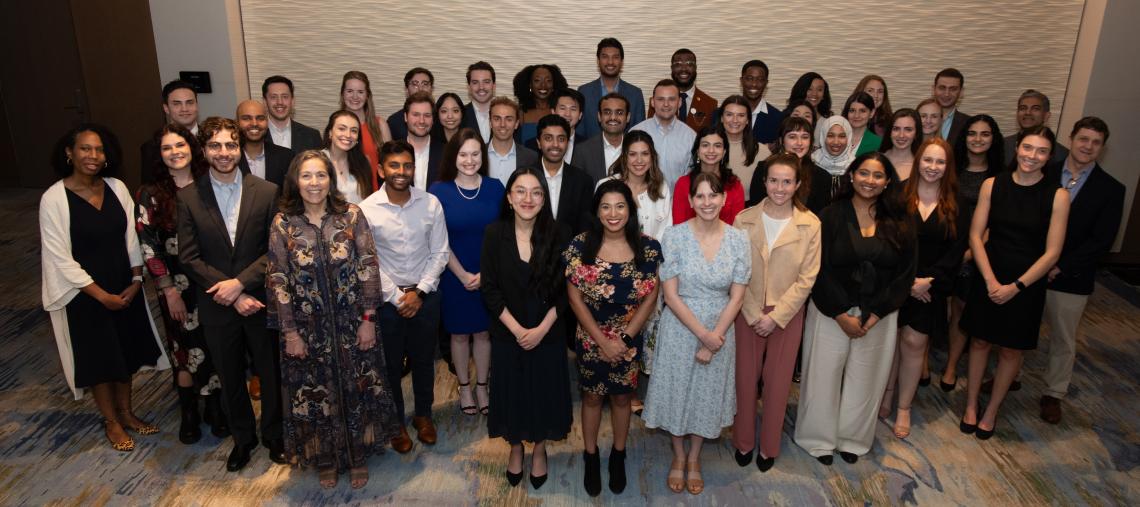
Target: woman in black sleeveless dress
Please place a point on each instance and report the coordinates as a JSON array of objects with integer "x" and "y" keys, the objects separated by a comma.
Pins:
[{"x": 1026, "y": 216}]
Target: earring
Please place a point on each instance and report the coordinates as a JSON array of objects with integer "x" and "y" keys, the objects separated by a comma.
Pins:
[
  {"x": 69, "y": 160},
  {"x": 106, "y": 164}
]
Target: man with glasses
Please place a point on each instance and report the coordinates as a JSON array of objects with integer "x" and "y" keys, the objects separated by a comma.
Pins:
[{"x": 697, "y": 108}]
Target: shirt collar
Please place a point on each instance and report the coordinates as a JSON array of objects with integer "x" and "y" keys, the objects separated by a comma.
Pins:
[
  {"x": 761, "y": 107},
  {"x": 219, "y": 184},
  {"x": 382, "y": 196}
]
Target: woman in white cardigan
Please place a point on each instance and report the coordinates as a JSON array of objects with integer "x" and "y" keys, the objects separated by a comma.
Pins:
[{"x": 92, "y": 279}]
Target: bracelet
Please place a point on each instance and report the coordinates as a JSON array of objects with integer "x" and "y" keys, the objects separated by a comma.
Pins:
[
  {"x": 137, "y": 278},
  {"x": 369, "y": 317}
]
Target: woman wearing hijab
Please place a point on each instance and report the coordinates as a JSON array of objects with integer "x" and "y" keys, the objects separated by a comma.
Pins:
[{"x": 833, "y": 137}]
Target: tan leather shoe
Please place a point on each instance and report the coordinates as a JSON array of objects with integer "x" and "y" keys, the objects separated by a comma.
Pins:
[
  {"x": 402, "y": 443},
  {"x": 425, "y": 429},
  {"x": 255, "y": 388}
]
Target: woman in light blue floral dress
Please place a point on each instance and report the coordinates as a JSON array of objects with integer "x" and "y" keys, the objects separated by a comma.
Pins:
[{"x": 691, "y": 392}]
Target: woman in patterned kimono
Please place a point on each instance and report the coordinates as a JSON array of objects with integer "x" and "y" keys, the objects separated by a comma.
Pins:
[
  {"x": 324, "y": 286},
  {"x": 179, "y": 164}
]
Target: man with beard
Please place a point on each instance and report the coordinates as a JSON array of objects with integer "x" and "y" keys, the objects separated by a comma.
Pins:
[
  {"x": 419, "y": 116},
  {"x": 180, "y": 104},
  {"x": 1032, "y": 111},
  {"x": 481, "y": 89},
  {"x": 597, "y": 154},
  {"x": 411, "y": 245},
  {"x": 672, "y": 139},
  {"x": 277, "y": 91},
  {"x": 697, "y": 108},
  {"x": 416, "y": 80},
  {"x": 571, "y": 190},
  {"x": 264, "y": 160},
  {"x": 611, "y": 57},
  {"x": 223, "y": 236},
  {"x": 765, "y": 117}
]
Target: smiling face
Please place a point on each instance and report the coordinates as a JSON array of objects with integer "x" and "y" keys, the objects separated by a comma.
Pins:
[
  {"x": 753, "y": 82},
  {"x": 683, "y": 69},
  {"x": 710, "y": 152},
  {"x": 639, "y": 159},
  {"x": 450, "y": 115},
  {"x": 815, "y": 92},
  {"x": 552, "y": 143},
  {"x": 175, "y": 152},
  {"x": 869, "y": 180},
  {"x": 280, "y": 101},
  {"x": 734, "y": 118},
  {"x": 805, "y": 112},
  {"x": 903, "y": 132},
  {"x": 419, "y": 120},
  {"x": 568, "y": 109},
  {"x": 355, "y": 95},
  {"x": 706, "y": 203},
  {"x": 345, "y": 132},
  {"x": 613, "y": 212},
  {"x": 481, "y": 87},
  {"x": 613, "y": 116},
  {"x": 876, "y": 89},
  {"x": 504, "y": 121},
  {"x": 541, "y": 84},
  {"x": 222, "y": 151},
  {"x": 252, "y": 120},
  {"x": 836, "y": 140},
  {"x": 87, "y": 155},
  {"x": 931, "y": 116},
  {"x": 181, "y": 107},
  {"x": 610, "y": 62},
  {"x": 420, "y": 82},
  {"x": 1031, "y": 112},
  {"x": 798, "y": 142},
  {"x": 666, "y": 99},
  {"x": 313, "y": 182},
  {"x": 1086, "y": 146},
  {"x": 781, "y": 183},
  {"x": 526, "y": 197},
  {"x": 947, "y": 90},
  {"x": 1032, "y": 153},
  {"x": 470, "y": 157},
  {"x": 932, "y": 163},
  {"x": 979, "y": 138},
  {"x": 399, "y": 170},
  {"x": 858, "y": 115}
]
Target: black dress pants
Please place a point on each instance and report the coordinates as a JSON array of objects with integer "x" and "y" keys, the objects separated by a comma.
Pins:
[{"x": 228, "y": 346}]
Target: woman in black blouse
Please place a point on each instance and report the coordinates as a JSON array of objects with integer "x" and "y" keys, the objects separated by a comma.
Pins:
[
  {"x": 865, "y": 274},
  {"x": 525, "y": 295}
]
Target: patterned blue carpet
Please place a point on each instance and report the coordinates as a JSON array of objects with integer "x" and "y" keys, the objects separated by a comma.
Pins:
[{"x": 52, "y": 449}]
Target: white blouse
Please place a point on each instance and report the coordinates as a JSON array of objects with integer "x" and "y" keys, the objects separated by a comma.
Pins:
[{"x": 654, "y": 216}]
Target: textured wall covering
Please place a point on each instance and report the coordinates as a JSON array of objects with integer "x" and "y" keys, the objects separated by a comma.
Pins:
[{"x": 1001, "y": 47}]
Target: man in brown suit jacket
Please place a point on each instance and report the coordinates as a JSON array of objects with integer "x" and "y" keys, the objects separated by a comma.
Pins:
[{"x": 697, "y": 107}]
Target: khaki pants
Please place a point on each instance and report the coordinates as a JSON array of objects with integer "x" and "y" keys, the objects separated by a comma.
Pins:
[{"x": 1063, "y": 312}]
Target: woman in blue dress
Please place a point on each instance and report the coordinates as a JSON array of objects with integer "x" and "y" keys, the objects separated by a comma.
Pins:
[{"x": 470, "y": 202}]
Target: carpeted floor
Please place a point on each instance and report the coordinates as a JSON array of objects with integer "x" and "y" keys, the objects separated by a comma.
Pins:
[{"x": 52, "y": 449}]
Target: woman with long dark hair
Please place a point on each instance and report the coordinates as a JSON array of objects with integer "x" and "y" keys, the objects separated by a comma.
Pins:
[
  {"x": 343, "y": 148},
  {"x": 710, "y": 155},
  {"x": 449, "y": 116},
  {"x": 525, "y": 294},
  {"x": 323, "y": 285},
  {"x": 865, "y": 274},
  {"x": 795, "y": 136},
  {"x": 180, "y": 162},
  {"x": 637, "y": 167},
  {"x": 901, "y": 141},
  {"x": 744, "y": 152},
  {"x": 611, "y": 273},
  {"x": 812, "y": 88},
  {"x": 858, "y": 110},
  {"x": 876, "y": 87}
]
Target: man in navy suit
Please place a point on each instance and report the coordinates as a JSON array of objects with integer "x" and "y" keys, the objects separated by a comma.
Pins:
[
  {"x": 259, "y": 157},
  {"x": 611, "y": 58},
  {"x": 765, "y": 117},
  {"x": 277, "y": 91},
  {"x": 1097, "y": 202},
  {"x": 419, "y": 115},
  {"x": 418, "y": 79},
  {"x": 481, "y": 88}
]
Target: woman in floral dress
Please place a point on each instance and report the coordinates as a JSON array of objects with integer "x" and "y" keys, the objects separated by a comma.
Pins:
[
  {"x": 612, "y": 280},
  {"x": 179, "y": 164},
  {"x": 323, "y": 283}
]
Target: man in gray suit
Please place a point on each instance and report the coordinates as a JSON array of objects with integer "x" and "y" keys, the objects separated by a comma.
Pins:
[
  {"x": 597, "y": 154},
  {"x": 223, "y": 236},
  {"x": 284, "y": 131},
  {"x": 1032, "y": 111},
  {"x": 504, "y": 155}
]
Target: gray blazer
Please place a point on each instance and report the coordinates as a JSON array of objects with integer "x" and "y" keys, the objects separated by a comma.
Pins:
[{"x": 590, "y": 156}]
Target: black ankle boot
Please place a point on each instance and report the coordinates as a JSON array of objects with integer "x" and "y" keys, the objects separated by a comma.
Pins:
[
  {"x": 592, "y": 479},
  {"x": 214, "y": 416},
  {"x": 617, "y": 470},
  {"x": 190, "y": 431}
]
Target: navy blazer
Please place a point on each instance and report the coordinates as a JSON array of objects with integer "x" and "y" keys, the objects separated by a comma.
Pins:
[
  {"x": 397, "y": 125},
  {"x": 592, "y": 91},
  {"x": 277, "y": 160},
  {"x": 1094, "y": 218},
  {"x": 303, "y": 138}
]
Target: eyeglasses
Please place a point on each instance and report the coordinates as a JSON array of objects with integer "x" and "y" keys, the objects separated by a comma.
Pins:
[
  {"x": 215, "y": 146},
  {"x": 685, "y": 63}
]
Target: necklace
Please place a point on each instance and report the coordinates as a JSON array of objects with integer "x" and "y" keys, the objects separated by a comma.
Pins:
[{"x": 477, "y": 189}]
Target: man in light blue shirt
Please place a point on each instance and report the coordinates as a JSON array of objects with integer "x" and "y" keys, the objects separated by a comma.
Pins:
[
  {"x": 504, "y": 155},
  {"x": 672, "y": 139}
]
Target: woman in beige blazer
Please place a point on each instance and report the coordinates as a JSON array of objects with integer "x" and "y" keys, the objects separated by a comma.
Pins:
[{"x": 785, "y": 260}]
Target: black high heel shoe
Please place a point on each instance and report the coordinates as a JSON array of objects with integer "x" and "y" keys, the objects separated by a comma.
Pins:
[
  {"x": 535, "y": 480},
  {"x": 947, "y": 387},
  {"x": 985, "y": 434},
  {"x": 743, "y": 459},
  {"x": 514, "y": 478},
  {"x": 966, "y": 428}
]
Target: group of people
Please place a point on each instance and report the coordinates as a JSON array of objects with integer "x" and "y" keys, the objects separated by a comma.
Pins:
[{"x": 696, "y": 257}]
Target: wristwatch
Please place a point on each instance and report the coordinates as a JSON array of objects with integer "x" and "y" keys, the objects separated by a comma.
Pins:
[{"x": 1019, "y": 285}]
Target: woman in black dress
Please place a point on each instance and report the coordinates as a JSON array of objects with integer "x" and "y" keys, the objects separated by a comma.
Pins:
[
  {"x": 92, "y": 279},
  {"x": 525, "y": 295},
  {"x": 930, "y": 201},
  {"x": 1025, "y": 215}
]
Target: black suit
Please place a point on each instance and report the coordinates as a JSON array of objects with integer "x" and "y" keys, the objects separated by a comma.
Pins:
[
  {"x": 302, "y": 137},
  {"x": 1094, "y": 217},
  {"x": 397, "y": 125},
  {"x": 590, "y": 155},
  {"x": 574, "y": 199},
  {"x": 957, "y": 126},
  {"x": 209, "y": 257},
  {"x": 277, "y": 160},
  {"x": 435, "y": 157}
]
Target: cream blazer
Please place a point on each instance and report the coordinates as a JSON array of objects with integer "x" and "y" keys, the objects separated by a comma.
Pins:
[
  {"x": 63, "y": 276},
  {"x": 782, "y": 278}
]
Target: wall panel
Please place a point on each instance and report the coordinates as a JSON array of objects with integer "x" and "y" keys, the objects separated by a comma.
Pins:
[{"x": 1001, "y": 47}]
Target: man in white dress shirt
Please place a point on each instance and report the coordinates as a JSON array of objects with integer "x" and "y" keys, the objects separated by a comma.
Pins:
[
  {"x": 284, "y": 131},
  {"x": 411, "y": 243},
  {"x": 481, "y": 89}
]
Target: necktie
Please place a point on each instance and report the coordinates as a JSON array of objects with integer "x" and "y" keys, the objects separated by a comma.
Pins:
[{"x": 684, "y": 105}]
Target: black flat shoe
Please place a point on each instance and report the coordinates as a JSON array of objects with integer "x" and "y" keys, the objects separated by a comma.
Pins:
[
  {"x": 537, "y": 482},
  {"x": 849, "y": 457},
  {"x": 239, "y": 457},
  {"x": 276, "y": 450},
  {"x": 743, "y": 459},
  {"x": 967, "y": 428},
  {"x": 985, "y": 434},
  {"x": 514, "y": 478},
  {"x": 825, "y": 459},
  {"x": 947, "y": 387},
  {"x": 924, "y": 381},
  {"x": 765, "y": 464},
  {"x": 616, "y": 466}
]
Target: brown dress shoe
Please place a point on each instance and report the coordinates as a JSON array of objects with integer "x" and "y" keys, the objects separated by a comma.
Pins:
[
  {"x": 255, "y": 388},
  {"x": 402, "y": 443},
  {"x": 1050, "y": 409},
  {"x": 425, "y": 429}
]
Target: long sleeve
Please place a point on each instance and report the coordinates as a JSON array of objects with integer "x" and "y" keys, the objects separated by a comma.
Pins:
[
  {"x": 367, "y": 265},
  {"x": 828, "y": 293},
  {"x": 278, "y": 279},
  {"x": 62, "y": 275},
  {"x": 153, "y": 247},
  {"x": 189, "y": 253},
  {"x": 681, "y": 209},
  {"x": 490, "y": 280},
  {"x": 254, "y": 274},
  {"x": 439, "y": 251},
  {"x": 756, "y": 189},
  {"x": 796, "y": 295},
  {"x": 733, "y": 202},
  {"x": 897, "y": 289},
  {"x": 1099, "y": 239}
]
